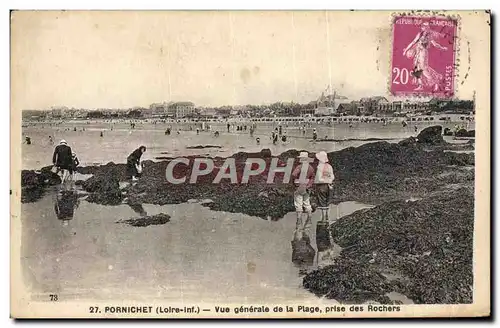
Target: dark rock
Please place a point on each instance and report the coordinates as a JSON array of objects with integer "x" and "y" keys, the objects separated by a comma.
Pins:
[
  {"x": 431, "y": 135},
  {"x": 348, "y": 281},
  {"x": 462, "y": 133},
  {"x": 157, "y": 219},
  {"x": 45, "y": 176},
  {"x": 33, "y": 183},
  {"x": 354, "y": 139},
  {"x": 203, "y": 147},
  {"x": 371, "y": 173},
  {"x": 427, "y": 242},
  {"x": 411, "y": 141},
  {"x": 102, "y": 182},
  {"x": 266, "y": 153},
  {"x": 447, "y": 132},
  {"x": 31, "y": 194},
  {"x": 105, "y": 198},
  {"x": 104, "y": 187}
]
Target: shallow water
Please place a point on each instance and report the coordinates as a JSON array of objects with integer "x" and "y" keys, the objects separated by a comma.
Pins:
[
  {"x": 118, "y": 143},
  {"x": 199, "y": 255}
]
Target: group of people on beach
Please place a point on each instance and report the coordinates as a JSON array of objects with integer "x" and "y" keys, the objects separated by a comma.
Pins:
[{"x": 311, "y": 183}]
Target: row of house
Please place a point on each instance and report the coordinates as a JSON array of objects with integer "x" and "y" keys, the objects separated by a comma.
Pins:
[
  {"x": 366, "y": 106},
  {"x": 180, "y": 109},
  {"x": 324, "y": 106}
]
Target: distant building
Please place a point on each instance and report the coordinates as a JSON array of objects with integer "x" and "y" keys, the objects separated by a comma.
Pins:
[
  {"x": 160, "y": 109},
  {"x": 386, "y": 107},
  {"x": 371, "y": 105},
  {"x": 208, "y": 113},
  {"x": 332, "y": 104},
  {"x": 344, "y": 105},
  {"x": 57, "y": 112},
  {"x": 181, "y": 109}
]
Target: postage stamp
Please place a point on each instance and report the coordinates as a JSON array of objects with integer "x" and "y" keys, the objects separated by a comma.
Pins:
[
  {"x": 242, "y": 164},
  {"x": 423, "y": 56}
]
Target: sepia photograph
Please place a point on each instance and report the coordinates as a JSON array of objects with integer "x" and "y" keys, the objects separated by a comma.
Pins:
[{"x": 250, "y": 164}]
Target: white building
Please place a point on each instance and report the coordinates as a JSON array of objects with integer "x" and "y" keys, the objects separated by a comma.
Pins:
[{"x": 181, "y": 109}]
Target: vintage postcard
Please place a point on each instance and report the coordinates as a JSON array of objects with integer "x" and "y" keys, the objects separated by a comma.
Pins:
[{"x": 250, "y": 164}]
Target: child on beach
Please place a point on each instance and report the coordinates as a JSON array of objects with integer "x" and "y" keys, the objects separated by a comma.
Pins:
[
  {"x": 75, "y": 163},
  {"x": 301, "y": 196},
  {"x": 324, "y": 180}
]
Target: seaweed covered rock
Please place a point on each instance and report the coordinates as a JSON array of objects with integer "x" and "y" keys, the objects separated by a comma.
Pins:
[
  {"x": 447, "y": 132},
  {"x": 411, "y": 141},
  {"x": 110, "y": 166},
  {"x": 431, "y": 135},
  {"x": 104, "y": 188},
  {"x": 33, "y": 183},
  {"x": 348, "y": 281},
  {"x": 203, "y": 147},
  {"x": 427, "y": 242},
  {"x": 145, "y": 221},
  {"x": 462, "y": 133},
  {"x": 31, "y": 178},
  {"x": 373, "y": 172}
]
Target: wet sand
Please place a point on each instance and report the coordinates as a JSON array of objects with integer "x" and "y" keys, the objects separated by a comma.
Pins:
[
  {"x": 199, "y": 254},
  {"x": 117, "y": 144}
]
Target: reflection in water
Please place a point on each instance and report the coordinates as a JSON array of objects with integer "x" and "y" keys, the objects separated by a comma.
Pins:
[
  {"x": 66, "y": 202},
  {"x": 323, "y": 236},
  {"x": 302, "y": 251},
  {"x": 95, "y": 258},
  {"x": 137, "y": 207}
]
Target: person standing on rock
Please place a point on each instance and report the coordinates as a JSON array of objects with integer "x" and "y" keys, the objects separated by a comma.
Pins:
[
  {"x": 303, "y": 179},
  {"x": 62, "y": 159},
  {"x": 133, "y": 161},
  {"x": 323, "y": 184}
]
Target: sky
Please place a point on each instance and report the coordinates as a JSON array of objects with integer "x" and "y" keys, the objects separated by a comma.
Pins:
[{"x": 124, "y": 59}]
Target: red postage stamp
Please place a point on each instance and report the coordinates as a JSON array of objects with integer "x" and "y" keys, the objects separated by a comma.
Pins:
[{"x": 423, "y": 56}]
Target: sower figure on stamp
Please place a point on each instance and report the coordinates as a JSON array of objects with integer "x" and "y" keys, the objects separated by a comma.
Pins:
[{"x": 418, "y": 49}]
